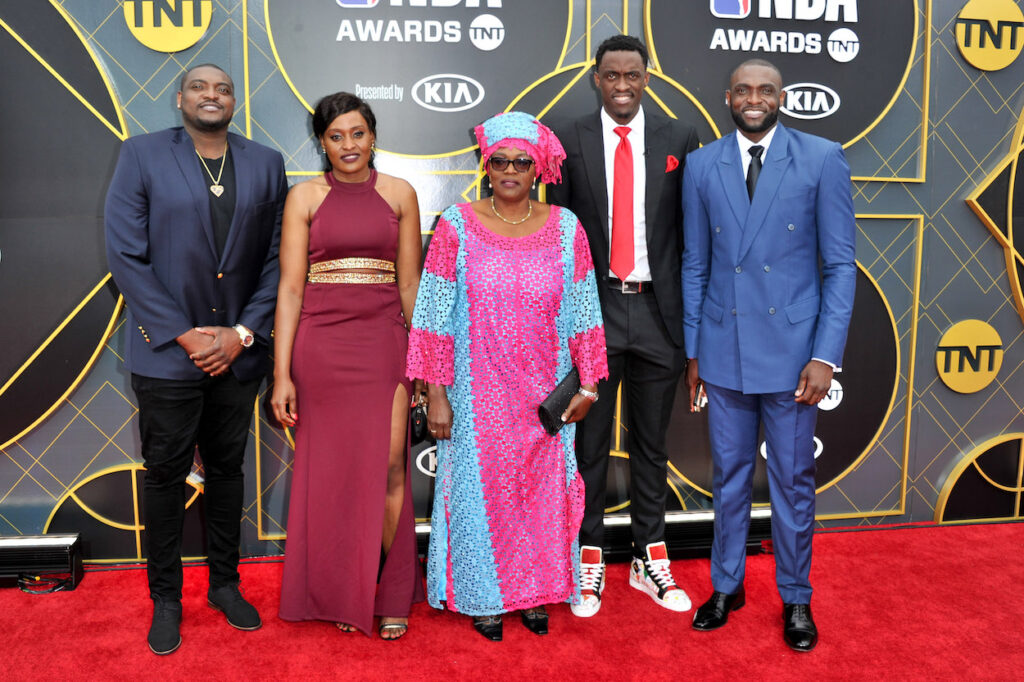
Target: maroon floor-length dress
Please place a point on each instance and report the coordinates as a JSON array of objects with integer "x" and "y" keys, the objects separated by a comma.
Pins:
[{"x": 347, "y": 361}]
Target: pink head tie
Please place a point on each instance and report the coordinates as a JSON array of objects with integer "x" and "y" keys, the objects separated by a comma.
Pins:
[{"x": 522, "y": 131}]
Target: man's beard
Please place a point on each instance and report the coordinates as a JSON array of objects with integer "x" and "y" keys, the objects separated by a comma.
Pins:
[
  {"x": 766, "y": 123},
  {"x": 207, "y": 126}
]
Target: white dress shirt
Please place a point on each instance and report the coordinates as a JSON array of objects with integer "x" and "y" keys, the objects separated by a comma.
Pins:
[
  {"x": 641, "y": 266},
  {"x": 746, "y": 144}
]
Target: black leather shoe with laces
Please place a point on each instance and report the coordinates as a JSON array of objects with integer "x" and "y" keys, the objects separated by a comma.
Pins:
[
  {"x": 165, "y": 631},
  {"x": 799, "y": 630},
  {"x": 241, "y": 614},
  {"x": 714, "y": 613},
  {"x": 488, "y": 626}
]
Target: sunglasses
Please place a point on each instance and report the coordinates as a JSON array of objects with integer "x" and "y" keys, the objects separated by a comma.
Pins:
[{"x": 500, "y": 163}]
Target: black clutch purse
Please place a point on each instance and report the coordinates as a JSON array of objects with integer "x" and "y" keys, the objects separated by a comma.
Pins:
[
  {"x": 418, "y": 423},
  {"x": 557, "y": 402}
]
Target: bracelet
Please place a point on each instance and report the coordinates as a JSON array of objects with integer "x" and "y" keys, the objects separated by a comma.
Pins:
[{"x": 589, "y": 395}]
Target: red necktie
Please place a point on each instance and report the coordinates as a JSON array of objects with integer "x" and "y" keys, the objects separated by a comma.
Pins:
[{"x": 622, "y": 260}]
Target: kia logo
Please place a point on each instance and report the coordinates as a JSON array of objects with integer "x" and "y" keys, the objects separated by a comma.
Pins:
[
  {"x": 810, "y": 100},
  {"x": 819, "y": 447},
  {"x": 447, "y": 92},
  {"x": 426, "y": 461}
]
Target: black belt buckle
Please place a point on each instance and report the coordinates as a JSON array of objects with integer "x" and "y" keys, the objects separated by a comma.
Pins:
[{"x": 629, "y": 287}]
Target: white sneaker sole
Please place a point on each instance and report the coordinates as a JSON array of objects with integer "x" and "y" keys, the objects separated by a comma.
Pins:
[
  {"x": 585, "y": 610},
  {"x": 677, "y": 605}
]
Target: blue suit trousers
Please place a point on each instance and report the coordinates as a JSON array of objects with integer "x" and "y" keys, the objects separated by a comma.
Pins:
[{"x": 733, "y": 421}]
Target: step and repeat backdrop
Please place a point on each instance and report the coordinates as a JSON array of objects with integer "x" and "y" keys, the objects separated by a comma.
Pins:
[{"x": 924, "y": 422}]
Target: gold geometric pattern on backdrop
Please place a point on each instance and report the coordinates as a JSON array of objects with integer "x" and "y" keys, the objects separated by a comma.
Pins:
[
  {"x": 95, "y": 427},
  {"x": 984, "y": 108},
  {"x": 889, "y": 249}
]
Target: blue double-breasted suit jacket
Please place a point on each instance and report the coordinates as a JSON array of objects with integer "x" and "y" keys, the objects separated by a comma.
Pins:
[
  {"x": 768, "y": 285},
  {"x": 756, "y": 304},
  {"x": 162, "y": 254}
]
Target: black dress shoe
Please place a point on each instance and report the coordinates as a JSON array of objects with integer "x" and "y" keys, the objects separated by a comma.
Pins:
[
  {"x": 241, "y": 614},
  {"x": 488, "y": 626},
  {"x": 165, "y": 632},
  {"x": 799, "y": 630},
  {"x": 714, "y": 613},
  {"x": 535, "y": 620}
]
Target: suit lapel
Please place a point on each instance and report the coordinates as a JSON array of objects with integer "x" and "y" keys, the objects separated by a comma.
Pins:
[
  {"x": 767, "y": 186},
  {"x": 730, "y": 173},
  {"x": 654, "y": 163},
  {"x": 243, "y": 189},
  {"x": 185, "y": 154},
  {"x": 592, "y": 150}
]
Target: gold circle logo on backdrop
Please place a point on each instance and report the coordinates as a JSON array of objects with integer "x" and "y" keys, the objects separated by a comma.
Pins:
[
  {"x": 990, "y": 33},
  {"x": 969, "y": 356},
  {"x": 168, "y": 25}
]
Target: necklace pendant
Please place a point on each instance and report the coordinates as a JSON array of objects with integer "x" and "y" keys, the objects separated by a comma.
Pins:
[{"x": 217, "y": 190}]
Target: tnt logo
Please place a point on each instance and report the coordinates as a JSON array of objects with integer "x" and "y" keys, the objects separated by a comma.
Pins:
[
  {"x": 969, "y": 356},
  {"x": 486, "y": 32},
  {"x": 358, "y": 3},
  {"x": 730, "y": 9},
  {"x": 833, "y": 398},
  {"x": 168, "y": 25},
  {"x": 990, "y": 33}
]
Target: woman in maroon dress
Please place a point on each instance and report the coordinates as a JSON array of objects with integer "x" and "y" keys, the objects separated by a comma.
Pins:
[{"x": 350, "y": 267}]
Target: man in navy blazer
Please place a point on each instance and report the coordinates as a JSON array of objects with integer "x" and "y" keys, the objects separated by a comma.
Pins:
[
  {"x": 765, "y": 327},
  {"x": 193, "y": 223}
]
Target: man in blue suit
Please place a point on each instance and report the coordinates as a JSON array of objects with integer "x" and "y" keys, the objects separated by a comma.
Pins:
[
  {"x": 765, "y": 327},
  {"x": 193, "y": 223}
]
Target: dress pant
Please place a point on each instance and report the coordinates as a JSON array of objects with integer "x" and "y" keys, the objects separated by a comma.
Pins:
[
  {"x": 733, "y": 420},
  {"x": 174, "y": 417},
  {"x": 642, "y": 356}
]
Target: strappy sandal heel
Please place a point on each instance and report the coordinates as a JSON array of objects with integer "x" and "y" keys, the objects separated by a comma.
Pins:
[
  {"x": 488, "y": 626},
  {"x": 399, "y": 630},
  {"x": 535, "y": 620}
]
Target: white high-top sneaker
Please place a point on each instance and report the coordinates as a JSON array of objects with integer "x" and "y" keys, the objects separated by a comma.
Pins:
[
  {"x": 653, "y": 575},
  {"x": 591, "y": 582}
]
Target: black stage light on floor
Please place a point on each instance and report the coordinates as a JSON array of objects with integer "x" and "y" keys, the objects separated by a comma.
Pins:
[{"x": 41, "y": 563}]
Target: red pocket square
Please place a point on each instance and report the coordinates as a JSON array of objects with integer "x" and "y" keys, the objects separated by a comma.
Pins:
[{"x": 671, "y": 163}]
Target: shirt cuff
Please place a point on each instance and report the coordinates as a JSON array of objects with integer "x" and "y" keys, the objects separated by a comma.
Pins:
[{"x": 835, "y": 368}]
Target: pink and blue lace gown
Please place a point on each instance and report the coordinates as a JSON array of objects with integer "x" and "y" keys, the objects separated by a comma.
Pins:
[
  {"x": 499, "y": 321},
  {"x": 347, "y": 362}
]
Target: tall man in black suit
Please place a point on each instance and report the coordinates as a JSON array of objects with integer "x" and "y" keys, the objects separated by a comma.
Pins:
[
  {"x": 193, "y": 223},
  {"x": 622, "y": 179}
]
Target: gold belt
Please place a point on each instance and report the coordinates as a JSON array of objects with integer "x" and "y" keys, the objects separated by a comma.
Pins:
[
  {"x": 320, "y": 273},
  {"x": 339, "y": 263},
  {"x": 351, "y": 278}
]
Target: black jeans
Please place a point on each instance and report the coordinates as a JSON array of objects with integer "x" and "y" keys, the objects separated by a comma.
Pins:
[{"x": 174, "y": 417}]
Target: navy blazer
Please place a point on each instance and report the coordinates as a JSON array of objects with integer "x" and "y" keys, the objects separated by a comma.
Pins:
[
  {"x": 756, "y": 305},
  {"x": 162, "y": 255},
  {"x": 584, "y": 191}
]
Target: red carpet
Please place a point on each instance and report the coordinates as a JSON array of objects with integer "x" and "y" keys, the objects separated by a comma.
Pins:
[{"x": 935, "y": 603}]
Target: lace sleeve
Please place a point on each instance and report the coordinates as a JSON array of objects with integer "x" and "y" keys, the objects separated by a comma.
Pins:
[
  {"x": 586, "y": 339},
  {"x": 431, "y": 342}
]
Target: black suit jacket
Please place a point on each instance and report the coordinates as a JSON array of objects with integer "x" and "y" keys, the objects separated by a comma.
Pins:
[
  {"x": 583, "y": 190},
  {"x": 161, "y": 251}
]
